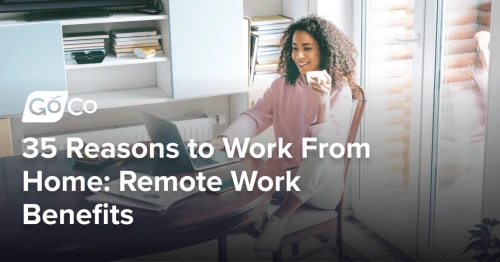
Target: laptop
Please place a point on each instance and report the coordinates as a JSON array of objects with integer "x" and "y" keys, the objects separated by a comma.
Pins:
[{"x": 165, "y": 132}]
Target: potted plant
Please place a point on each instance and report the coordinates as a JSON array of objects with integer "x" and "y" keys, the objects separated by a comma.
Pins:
[{"x": 486, "y": 245}]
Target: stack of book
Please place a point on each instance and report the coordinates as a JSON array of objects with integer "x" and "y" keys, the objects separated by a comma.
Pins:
[
  {"x": 153, "y": 200},
  {"x": 125, "y": 41},
  {"x": 266, "y": 50},
  {"x": 83, "y": 42}
]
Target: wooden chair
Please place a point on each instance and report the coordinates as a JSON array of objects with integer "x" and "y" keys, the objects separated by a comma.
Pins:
[
  {"x": 309, "y": 222},
  {"x": 480, "y": 74}
]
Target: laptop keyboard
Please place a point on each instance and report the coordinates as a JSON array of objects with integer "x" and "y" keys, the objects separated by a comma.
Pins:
[{"x": 201, "y": 162}]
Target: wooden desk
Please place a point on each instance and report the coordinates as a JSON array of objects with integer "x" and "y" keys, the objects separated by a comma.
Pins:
[{"x": 197, "y": 219}]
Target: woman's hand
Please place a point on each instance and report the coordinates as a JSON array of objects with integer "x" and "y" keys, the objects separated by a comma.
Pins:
[
  {"x": 323, "y": 89},
  {"x": 217, "y": 143}
]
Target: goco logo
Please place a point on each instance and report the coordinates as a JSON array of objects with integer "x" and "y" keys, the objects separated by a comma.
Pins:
[{"x": 49, "y": 106}]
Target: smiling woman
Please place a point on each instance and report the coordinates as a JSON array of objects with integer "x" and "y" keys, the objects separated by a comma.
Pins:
[
  {"x": 298, "y": 109},
  {"x": 316, "y": 44}
]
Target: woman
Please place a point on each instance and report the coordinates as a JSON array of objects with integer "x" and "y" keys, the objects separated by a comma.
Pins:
[{"x": 297, "y": 109}]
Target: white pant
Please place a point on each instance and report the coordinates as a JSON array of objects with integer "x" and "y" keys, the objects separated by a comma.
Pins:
[{"x": 321, "y": 180}]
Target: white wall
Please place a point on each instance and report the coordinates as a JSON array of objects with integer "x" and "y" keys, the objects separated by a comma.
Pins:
[
  {"x": 340, "y": 12},
  {"x": 296, "y": 9},
  {"x": 491, "y": 191},
  {"x": 261, "y": 7}
]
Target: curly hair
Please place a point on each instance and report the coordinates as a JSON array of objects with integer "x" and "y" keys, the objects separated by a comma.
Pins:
[{"x": 338, "y": 54}]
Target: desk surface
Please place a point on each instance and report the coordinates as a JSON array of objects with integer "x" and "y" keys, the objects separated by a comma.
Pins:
[{"x": 197, "y": 219}]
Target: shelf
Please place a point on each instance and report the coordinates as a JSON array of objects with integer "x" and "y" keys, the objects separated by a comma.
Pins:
[
  {"x": 141, "y": 96},
  {"x": 112, "y": 60},
  {"x": 123, "y": 98},
  {"x": 116, "y": 18}
]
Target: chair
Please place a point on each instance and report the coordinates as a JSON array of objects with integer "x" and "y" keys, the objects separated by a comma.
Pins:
[
  {"x": 480, "y": 77},
  {"x": 319, "y": 221}
]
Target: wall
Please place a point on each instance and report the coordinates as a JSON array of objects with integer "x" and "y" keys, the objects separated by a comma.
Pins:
[
  {"x": 296, "y": 9},
  {"x": 261, "y": 7},
  {"x": 5, "y": 143},
  {"x": 340, "y": 12}
]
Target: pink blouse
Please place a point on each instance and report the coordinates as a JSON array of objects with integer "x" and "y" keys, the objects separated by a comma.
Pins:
[{"x": 292, "y": 110}]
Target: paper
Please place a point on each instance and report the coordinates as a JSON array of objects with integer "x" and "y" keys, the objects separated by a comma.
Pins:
[
  {"x": 117, "y": 201},
  {"x": 155, "y": 200}
]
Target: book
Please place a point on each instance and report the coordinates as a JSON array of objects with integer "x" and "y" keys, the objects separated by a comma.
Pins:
[
  {"x": 270, "y": 27},
  {"x": 131, "y": 54},
  {"x": 136, "y": 38},
  {"x": 267, "y": 32},
  {"x": 270, "y": 36},
  {"x": 131, "y": 32},
  {"x": 128, "y": 50},
  {"x": 133, "y": 45},
  {"x": 84, "y": 46},
  {"x": 83, "y": 41},
  {"x": 270, "y": 19},
  {"x": 260, "y": 67},
  {"x": 269, "y": 42},
  {"x": 98, "y": 198},
  {"x": 153, "y": 41},
  {"x": 226, "y": 186},
  {"x": 85, "y": 35},
  {"x": 265, "y": 72},
  {"x": 272, "y": 75},
  {"x": 157, "y": 200},
  {"x": 75, "y": 49},
  {"x": 260, "y": 52},
  {"x": 269, "y": 48},
  {"x": 268, "y": 58}
]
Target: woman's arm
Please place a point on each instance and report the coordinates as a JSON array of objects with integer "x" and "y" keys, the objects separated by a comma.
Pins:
[
  {"x": 339, "y": 112},
  {"x": 253, "y": 121}
]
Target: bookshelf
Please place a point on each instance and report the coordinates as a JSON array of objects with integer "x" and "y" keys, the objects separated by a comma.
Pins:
[
  {"x": 115, "y": 18},
  {"x": 189, "y": 61},
  {"x": 125, "y": 81},
  {"x": 170, "y": 76},
  {"x": 128, "y": 97},
  {"x": 112, "y": 60}
]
